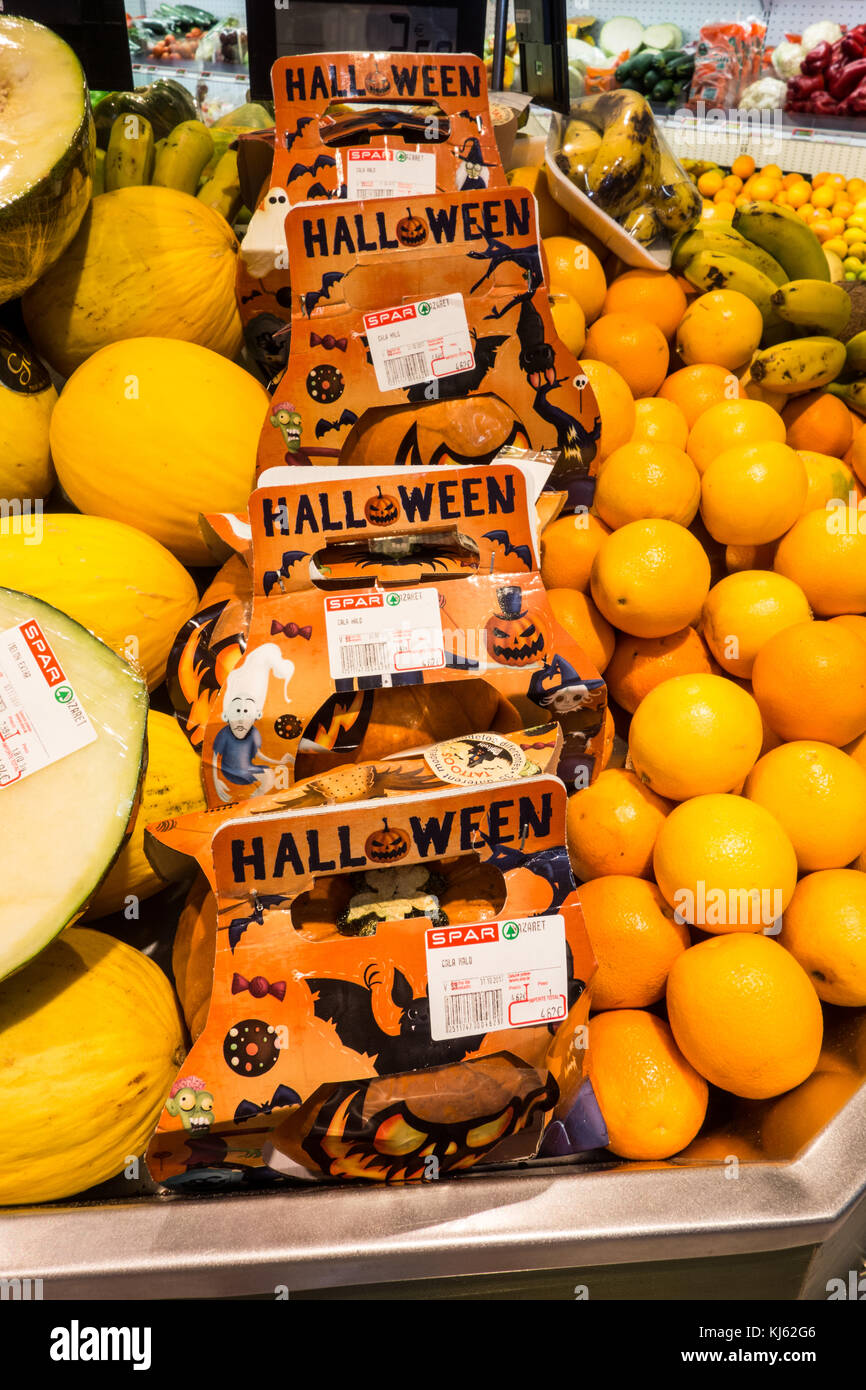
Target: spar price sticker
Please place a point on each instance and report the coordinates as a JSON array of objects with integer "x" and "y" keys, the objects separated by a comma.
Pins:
[
  {"x": 41, "y": 717},
  {"x": 389, "y": 173},
  {"x": 384, "y": 633},
  {"x": 419, "y": 342}
]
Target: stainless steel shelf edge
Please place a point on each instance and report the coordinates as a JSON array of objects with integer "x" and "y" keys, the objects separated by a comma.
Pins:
[{"x": 175, "y": 1247}]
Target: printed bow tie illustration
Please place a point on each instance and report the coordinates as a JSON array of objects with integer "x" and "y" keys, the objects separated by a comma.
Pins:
[
  {"x": 258, "y": 986},
  {"x": 283, "y": 1095},
  {"x": 329, "y": 342},
  {"x": 291, "y": 630}
]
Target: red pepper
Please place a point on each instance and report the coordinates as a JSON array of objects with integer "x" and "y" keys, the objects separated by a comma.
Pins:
[
  {"x": 822, "y": 104},
  {"x": 817, "y": 60},
  {"x": 851, "y": 47},
  {"x": 802, "y": 88},
  {"x": 841, "y": 81},
  {"x": 855, "y": 104}
]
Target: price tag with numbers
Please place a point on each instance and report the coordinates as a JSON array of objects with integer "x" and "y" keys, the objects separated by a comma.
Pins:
[{"x": 424, "y": 341}]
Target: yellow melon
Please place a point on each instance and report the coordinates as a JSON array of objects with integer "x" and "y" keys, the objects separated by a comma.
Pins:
[{"x": 27, "y": 399}]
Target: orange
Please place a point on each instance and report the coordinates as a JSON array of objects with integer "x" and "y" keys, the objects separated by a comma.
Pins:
[
  {"x": 753, "y": 493},
  {"x": 725, "y": 195},
  {"x": 693, "y": 735},
  {"x": 729, "y": 423},
  {"x": 827, "y": 478},
  {"x": 799, "y": 193},
  {"x": 647, "y": 294},
  {"x": 723, "y": 327},
  {"x": 819, "y": 422},
  {"x": 855, "y": 622},
  {"x": 818, "y": 796},
  {"x": 639, "y": 664},
  {"x": 615, "y": 405},
  {"x": 568, "y": 320},
  {"x": 641, "y": 480},
  {"x": 822, "y": 197},
  {"x": 695, "y": 389},
  {"x": 825, "y": 930},
  {"x": 797, "y": 1118},
  {"x": 764, "y": 189},
  {"x": 772, "y": 171},
  {"x": 723, "y": 211},
  {"x": 652, "y": 1100},
  {"x": 750, "y": 557},
  {"x": 810, "y": 683},
  {"x": 828, "y": 561},
  {"x": 552, "y": 217},
  {"x": 576, "y": 612},
  {"x": 612, "y": 826},
  {"x": 743, "y": 166},
  {"x": 634, "y": 939},
  {"x": 719, "y": 1148},
  {"x": 608, "y": 740},
  {"x": 808, "y": 213},
  {"x": 745, "y": 1015},
  {"x": 575, "y": 270},
  {"x": 725, "y": 864},
  {"x": 650, "y": 578},
  {"x": 658, "y": 421},
  {"x": 710, "y": 182},
  {"x": 568, "y": 548},
  {"x": 633, "y": 347},
  {"x": 744, "y": 610},
  {"x": 858, "y": 454}
]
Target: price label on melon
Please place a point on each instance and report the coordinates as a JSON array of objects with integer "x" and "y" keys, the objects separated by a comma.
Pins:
[
  {"x": 41, "y": 717},
  {"x": 389, "y": 173},
  {"x": 420, "y": 342},
  {"x": 384, "y": 634}
]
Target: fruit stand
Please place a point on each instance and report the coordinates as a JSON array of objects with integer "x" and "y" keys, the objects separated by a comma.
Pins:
[{"x": 433, "y": 670}]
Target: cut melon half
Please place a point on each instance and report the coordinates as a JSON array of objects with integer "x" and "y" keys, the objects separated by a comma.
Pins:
[
  {"x": 47, "y": 151},
  {"x": 62, "y": 826}
]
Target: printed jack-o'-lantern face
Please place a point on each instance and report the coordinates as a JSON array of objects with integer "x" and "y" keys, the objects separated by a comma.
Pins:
[
  {"x": 386, "y": 845},
  {"x": 514, "y": 637},
  {"x": 382, "y": 510},
  {"x": 378, "y": 82},
  {"x": 411, "y": 230}
]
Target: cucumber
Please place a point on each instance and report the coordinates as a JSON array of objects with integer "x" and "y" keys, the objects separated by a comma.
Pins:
[
  {"x": 663, "y": 36},
  {"x": 622, "y": 35}
]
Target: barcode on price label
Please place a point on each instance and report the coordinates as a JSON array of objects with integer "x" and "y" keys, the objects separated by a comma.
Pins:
[
  {"x": 383, "y": 634},
  {"x": 420, "y": 342},
  {"x": 389, "y": 173},
  {"x": 496, "y": 975}
]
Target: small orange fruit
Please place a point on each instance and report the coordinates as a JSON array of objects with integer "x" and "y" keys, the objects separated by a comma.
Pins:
[
  {"x": 650, "y": 578},
  {"x": 723, "y": 327},
  {"x": 819, "y": 422},
  {"x": 825, "y": 930},
  {"x": 822, "y": 197},
  {"x": 647, "y": 294},
  {"x": 641, "y": 480},
  {"x": 634, "y": 939},
  {"x": 639, "y": 664},
  {"x": 855, "y": 622},
  {"x": 576, "y": 612},
  {"x": 744, "y": 610},
  {"x": 695, "y": 389},
  {"x": 652, "y": 1100},
  {"x": 827, "y": 477},
  {"x": 612, "y": 826},
  {"x": 568, "y": 547},
  {"x": 793, "y": 1121},
  {"x": 810, "y": 683},
  {"x": 753, "y": 493},
  {"x": 827, "y": 559},
  {"x": 743, "y": 166},
  {"x": 568, "y": 320},
  {"x": 858, "y": 454},
  {"x": 634, "y": 347},
  {"x": 750, "y": 557},
  {"x": 798, "y": 194},
  {"x": 695, "y": 734},
  {"x": 744, "y": 1013},
  {"x": 574, "y": 269},
  {"x": 710, "y": 182},
  {"x": 818, "y": 795},
  {"x": 658, "y": 421},
  {"x": 615, "y": 405},
  {"x": 729, "y": 423}
]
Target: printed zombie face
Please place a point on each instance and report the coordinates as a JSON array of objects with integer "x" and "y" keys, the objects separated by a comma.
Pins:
[
  {"x": 195, "y": 1108},
  {"x": 241, "y": 714},
  {"x": 287, "y": 420}
]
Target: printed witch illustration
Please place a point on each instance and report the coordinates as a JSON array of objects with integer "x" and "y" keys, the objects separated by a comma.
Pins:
[
  {"x": 473, "y": 170},
  {"x": 237, "y": 751}
]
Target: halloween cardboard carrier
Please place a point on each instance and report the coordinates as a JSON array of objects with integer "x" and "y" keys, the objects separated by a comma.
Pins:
[
  {"x": 388, "y": 613},
  {"x": 360, "y": 125},
  {"x": 439, "y": 348},
  {"x": 399, "y": 984}
]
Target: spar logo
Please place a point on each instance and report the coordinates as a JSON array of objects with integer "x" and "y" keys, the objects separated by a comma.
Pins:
[
  {"x": 42, "y": 654},
  {"x": 463, "y": 936},
  {"x": 383, "y": 317}
]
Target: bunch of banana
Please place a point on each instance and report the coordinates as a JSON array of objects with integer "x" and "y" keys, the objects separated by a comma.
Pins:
[
  {"x": 799, "y": 365},
  {"x": 852, "y": 387},
  {"x": 853, "y": 393},
  {"x": 785, "y": 236},
  {"x": 580, "y": 145},
  {"x": 191, "y": 159},
  {"x": 814, "y": 305},
  {"x": 721, "y": 237},
  {"x": 712, "y": 269},
  {"x": 129, "y": 159}
]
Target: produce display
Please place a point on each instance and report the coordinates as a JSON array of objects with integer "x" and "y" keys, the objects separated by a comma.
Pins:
[{"x": 412, "y": 563}]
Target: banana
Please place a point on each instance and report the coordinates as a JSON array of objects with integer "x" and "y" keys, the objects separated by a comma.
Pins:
[
  {"x": 712, "y": 237},
  {"x": 802, "y": 364},
  {"x": 184, "y": 154},
  {"x": 643, "y": 224},
  {"x": 716, "y": 270},
  {"x": 855, "y": 354},
  {"x": 223, "y": 191},
  {"x": 816, "y": 305},
  {"x": 853, "y": 393},
  {"x": 677, "y": 201},
  {"x": 581, "y": 143},
  {"x": 130, "y": 154},
  {"x": 780, "y": 231},
  {"x": 756, "y": 392},
  {"x": 629, "y": 156}
]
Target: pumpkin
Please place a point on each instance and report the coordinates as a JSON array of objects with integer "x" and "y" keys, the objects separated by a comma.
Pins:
[
  {"x": 378, "y": 83},
  {"x": 146, "y": 262},
  {"x": 116, "y": 581},
  {"x": 514, "y": 636},
  {"x": 411, "y": 230},
  {"x": 184, "y": 442},
  {"x": 381, "y": 510},
  {"x": 387, "y": 845},
  {"x": 92, "y": 1040},
  {"x": 474, "y": 893},
  {"x": 27, "y": 399},
  {"x": 193, "y": 954},
  {"x": 462, "y": 431},
  {"x": 172, "y": 787}
]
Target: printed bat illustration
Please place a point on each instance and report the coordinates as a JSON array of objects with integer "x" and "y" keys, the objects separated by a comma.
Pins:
[
  {"x": 293, "y": 135},
  {"x": 523, "y": 552},
  {"x": 263, "y": 903},
  {"x": 450, "y": 388},
  {"x": 312, "y": 297},
  {"x": 526, "y": 258},
  {"x": 322, "y": 161},
  {"x": 351, "y": 1009},
  {"x": 318, "y": 190},
  {"x": 323, "y": 427}
]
